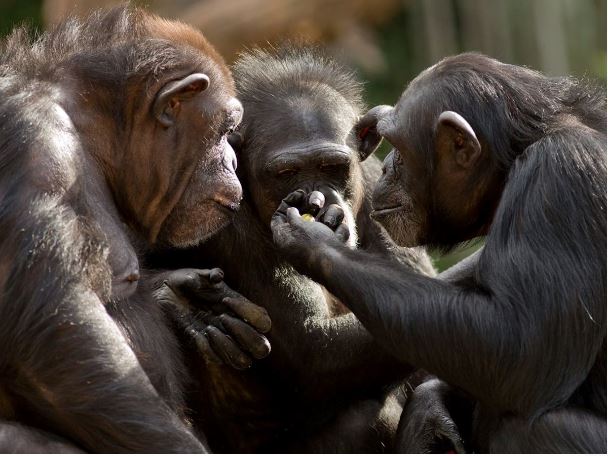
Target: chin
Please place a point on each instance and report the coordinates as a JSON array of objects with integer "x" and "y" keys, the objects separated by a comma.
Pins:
[
  {"x": 403, "y": 229},
  {"x": 190, "y": 228}
]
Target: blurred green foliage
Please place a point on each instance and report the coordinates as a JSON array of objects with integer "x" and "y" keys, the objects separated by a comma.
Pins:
[
  {"x": 13, "y": 12},
  {"x": 403, "y": 47}
]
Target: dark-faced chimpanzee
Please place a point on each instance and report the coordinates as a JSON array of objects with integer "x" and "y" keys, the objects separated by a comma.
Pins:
[
  {"x": 112, "y": 140},
  {"x": 325, "y": 385},
  {"x": 486, "y": 148}
]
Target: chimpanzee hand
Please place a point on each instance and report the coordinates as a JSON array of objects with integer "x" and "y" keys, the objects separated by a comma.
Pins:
[
  {"x": 224, "y": 325},
  {"x": 297, "y": 236},
  {"x": 426, "y": 424}
]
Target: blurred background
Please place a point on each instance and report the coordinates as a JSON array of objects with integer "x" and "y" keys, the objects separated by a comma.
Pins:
[{"x": 388, "y": 42}]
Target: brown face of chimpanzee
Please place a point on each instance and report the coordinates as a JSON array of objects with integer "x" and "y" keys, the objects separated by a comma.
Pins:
[
  {"x": 298, "y": 133},
  {"x": 440, "y": 185},
  {"x": 171, "y": 168}
]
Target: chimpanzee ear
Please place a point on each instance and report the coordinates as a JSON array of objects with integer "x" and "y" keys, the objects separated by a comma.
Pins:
[
  {"x": 168, "y": 100},
  {"x": 367, "y": 136},
  {"x": 454, "y": 135}
]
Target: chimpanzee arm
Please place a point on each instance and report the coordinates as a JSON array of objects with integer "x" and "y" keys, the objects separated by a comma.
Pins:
[
  {"x": 463, "y": 270},
  {"x": 224, "y": 325},
  {"x": 337, "y": 347},
  {"x": 563, "y": 430},
  {"x": 539, "y": 304},
  {"x": 309, "y": 342},
  {"x": 65, "y": 361},
  {"x": 16, "y": 438},
  {"x": 372, "y": 237}
]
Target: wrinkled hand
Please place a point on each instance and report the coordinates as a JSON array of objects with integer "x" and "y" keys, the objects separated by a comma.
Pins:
[
  {"x": 225, "y": 325},
  {"x": 426, "y": 425},
  {"x": 298, "y": 235}
]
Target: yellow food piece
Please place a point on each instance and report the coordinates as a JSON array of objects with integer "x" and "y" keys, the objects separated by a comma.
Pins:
[{"x": 308, "y": 217}]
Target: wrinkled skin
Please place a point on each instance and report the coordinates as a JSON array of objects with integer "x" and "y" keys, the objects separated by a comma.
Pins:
[
  {"x": 228, "y": 328},
  {"x": 103, "y": 157},
  {"x": 300, "y": 131},
  {"x": 472, "y": 156}
]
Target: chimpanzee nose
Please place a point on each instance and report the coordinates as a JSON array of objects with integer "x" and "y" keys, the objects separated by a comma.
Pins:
[
  {"x": 229, "y": 159},
  {"x": 234, "y": 163}
]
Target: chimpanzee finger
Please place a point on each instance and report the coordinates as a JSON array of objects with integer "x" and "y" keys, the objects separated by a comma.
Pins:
[
  {"x": 181, "y": 280},
  {"x": 215, "y": 275},
  {"x": 342, "y": 232},
  {"x": 333, "y": 216},
  {"x": 253, "y": 314},
  {"x": 246, "y": 336},
  {"x": 447, "y": 436},
  {"x": 370, "y": 119},
  {"x": 295, "y": 199},
  {"x": 316, "y": 200},
  {"x": 293, "y": 216},
  {"x": 278, "y": 219},
  {"x": 189, "y": 282},
  {"x": 227, "y": 349},
  {"x": 202, "y": 343}
]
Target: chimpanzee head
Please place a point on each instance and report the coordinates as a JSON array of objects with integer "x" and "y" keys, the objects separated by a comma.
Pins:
[
  {"x": 156, "y": 112},
  {"x": 455, "y": 132},
  {"x": 300, "y": 130}
]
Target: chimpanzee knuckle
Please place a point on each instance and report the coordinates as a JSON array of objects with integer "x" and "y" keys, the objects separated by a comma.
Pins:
[
  {"x": 202, "y": 343},
  {"x": 216, "y": 321},
  {"x": 334, "y": 216},
  {"x": 216, "y": 275},
  {"x": 293, "y": 217},
  {"x": 243, "y": 330},
  {"x": 342, "y": 232},
  {"x": 183, "y": 279},
  {"x": 296, "y": 198},
  {"x": 262, "y": 349},
  {"x": 249, "y": 339},
  {"x": 329, "y": 221},
  {"x": 228, "y": 350},
  {"x": 315, "y": 202},
  {"x": 251, "y": 313},
  {"x": 339, "y": 212},
  {"x": 446, "y": 429}
]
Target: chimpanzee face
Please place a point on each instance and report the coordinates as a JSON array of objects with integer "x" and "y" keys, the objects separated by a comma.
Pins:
[
  {"x": 439, "y": 185},
  {"x": 401, "y": 196},
  {"x": 306, "y": 143},
  {"x": 187, "y": 187}
]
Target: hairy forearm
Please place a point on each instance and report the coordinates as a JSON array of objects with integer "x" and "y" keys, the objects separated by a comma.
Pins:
[
  {"x": 454, "y": 334},
  {"x": 319, "y": 346},
  {"x": 350, "y": 352},
  {"x": 71, "y": 364}
]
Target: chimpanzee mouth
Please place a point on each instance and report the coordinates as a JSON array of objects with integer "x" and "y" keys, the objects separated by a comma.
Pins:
[
  {"x": 229, "y": 206},
  {"x": 386, "y": 210}
]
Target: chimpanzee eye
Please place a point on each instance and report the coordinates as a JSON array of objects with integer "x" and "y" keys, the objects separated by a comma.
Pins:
[
  {"x": 288, "y": 172},
  {"x": 329, "y": 166}
]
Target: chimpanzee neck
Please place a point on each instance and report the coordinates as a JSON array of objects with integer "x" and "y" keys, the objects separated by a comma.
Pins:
[{"x": 122, "y": 258}]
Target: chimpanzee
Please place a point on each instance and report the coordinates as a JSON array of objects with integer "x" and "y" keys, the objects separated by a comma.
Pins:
[
  {"x": 112, "y": 140},
  {"x": 325, "y": 386},
  {"x": 486, "y": 148}
]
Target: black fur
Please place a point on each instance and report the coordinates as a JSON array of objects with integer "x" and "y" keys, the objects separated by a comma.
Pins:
[
  {"x": 524, "y": 331},
  {"x": 69, "y": 361},
  {"x": 324, "y": 386}
]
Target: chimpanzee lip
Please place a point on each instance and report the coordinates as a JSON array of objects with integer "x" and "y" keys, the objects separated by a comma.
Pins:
[
  {"x": 226, "y": 204},
  {"x": 386, "y": 210}
]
